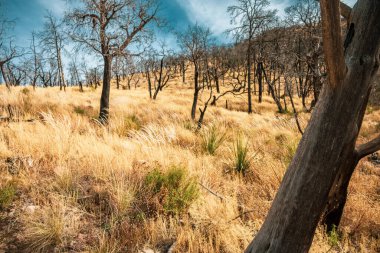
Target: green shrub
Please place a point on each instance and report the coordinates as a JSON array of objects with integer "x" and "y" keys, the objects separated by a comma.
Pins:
[
  {"x": 127, "y": 124},
  {"x": 7, "y": 194},
  {"x": 291, "y": 149},
  {"x": 189, "y": 125},
  {"x": 241, "y": 160},
  {"x": 174, "y": 190},
  {"x": 25, "y": 91},
  {"x": 79, "y": 110},
  {"x": 333, "y": 237},
  {"x": 212, "y": 139},
  {"x": 132, "y": 122}
]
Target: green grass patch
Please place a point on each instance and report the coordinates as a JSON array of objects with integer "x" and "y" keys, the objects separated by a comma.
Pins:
[
  {"x": 7, "y": 195},
  {"x": 212, "y": 139},
  {"x": 174, "y": 189},
  {"x": 241, "y": 159}
]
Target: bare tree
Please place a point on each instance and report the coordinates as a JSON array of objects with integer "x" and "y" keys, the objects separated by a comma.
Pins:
[
  {"x": 130, "y": 71},
  {"x": 109, "y": 28},
  {"x": 305, "y": 49},
  {"x": 327, "y": 156},
  {"x": 35, "y": 61},
  {"x": 194, "y": 41},
  {"x": 7, "y": 50},
  {"x": 74, "y": 73},
  {"x": 52, "y": 39},
  {"x": 250, "y": 16}
]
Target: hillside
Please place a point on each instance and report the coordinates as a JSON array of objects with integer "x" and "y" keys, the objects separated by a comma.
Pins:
[{"x": 151, "y": 181}]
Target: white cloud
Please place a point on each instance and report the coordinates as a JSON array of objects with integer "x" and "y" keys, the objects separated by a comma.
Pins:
[
  {"x": 211, "y": 13},
  {"x": 57, "y": 7}
]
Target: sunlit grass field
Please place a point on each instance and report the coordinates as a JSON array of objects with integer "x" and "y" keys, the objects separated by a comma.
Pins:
[{"x": 150, "y": 180}]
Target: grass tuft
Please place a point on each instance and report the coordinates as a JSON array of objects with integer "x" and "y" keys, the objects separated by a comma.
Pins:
[
  {"x": 212, "y": 139},
  {"x": 7, "y": 195},
  {"x": 241, "y": 158}
]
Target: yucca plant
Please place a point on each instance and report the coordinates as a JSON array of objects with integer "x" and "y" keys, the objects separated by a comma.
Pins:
[
  {"x": 212, "y": 139},
  {"x": 241, "y": 159}
]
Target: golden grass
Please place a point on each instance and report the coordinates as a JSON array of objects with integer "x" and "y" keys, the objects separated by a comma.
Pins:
[{"x": 88, "y": 182}]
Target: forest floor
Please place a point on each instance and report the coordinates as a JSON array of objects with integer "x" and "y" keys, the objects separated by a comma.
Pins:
[{"x": 149, "y": 182}]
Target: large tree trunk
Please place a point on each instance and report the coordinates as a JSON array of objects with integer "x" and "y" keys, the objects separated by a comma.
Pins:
[
  {"x": 338, "y": 194},
  {"x": 196, "y": 92},
  {"x": 329, "y": 139},
  {"x": 105, "y": 98}
]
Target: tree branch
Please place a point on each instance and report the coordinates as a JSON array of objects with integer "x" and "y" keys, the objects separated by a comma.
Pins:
[
  {"x": 345, "y": 10},
  {"x": 333, "y": 44},
  {"x": 368, "y": 148}
]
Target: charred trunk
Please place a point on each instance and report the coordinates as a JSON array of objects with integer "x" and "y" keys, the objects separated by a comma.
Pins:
[
  {"x": 105, "y": 97},
  {"x": 328, "y": 142}
]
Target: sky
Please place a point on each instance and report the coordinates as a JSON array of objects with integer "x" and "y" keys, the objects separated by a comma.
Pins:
[{"x": 29, "y": 16}]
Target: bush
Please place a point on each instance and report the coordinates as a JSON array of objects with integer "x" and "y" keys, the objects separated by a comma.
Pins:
[
  {"x": 79, "y": 110},
  {"x": 7, "y": 194},
  {"x": 212, "y": 139},
  {"x": 241, "y": 161},
  {"x": 129, "y": 123},
  {"x": 333, "y": 237},
  {"x": 174, "y": 190},
  {"x": 25, "y": 91}
]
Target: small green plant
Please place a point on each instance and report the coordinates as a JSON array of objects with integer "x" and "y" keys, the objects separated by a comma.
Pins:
[
  {"x": 370, "y": 109},
  {"x": 129, "y": 123},
  {"x": 7, "y": 195},
  {"x": 291, "y": 149},
  {"x": 174, "y": 189},
  {"x": 133, "y": 122},
  {"x": 189, "y": 125},
  {"x": 241, "y": 160},
  {"x": 25, "y": 91},
  {"x": 212, "y": 139},
  {"x": 333, "y": 237},
  {"x": 79, "y": 110}
]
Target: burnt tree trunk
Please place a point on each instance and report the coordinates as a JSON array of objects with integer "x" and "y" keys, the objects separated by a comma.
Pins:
[
  {"x": 338, "y": 194},
  {"x": 249, "y": 66},
  {"x": 260, "y": 80},
  {"x": 105, "y": 97},
  {"x": 329, "y": 139},
  {"x": 196, "y": 92},
  {"x": 217, "y": 83},
  {"x": 183, "y": 72}
]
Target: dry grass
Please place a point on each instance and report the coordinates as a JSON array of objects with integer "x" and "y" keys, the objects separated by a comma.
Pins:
[{"x": 86, "y": 189}]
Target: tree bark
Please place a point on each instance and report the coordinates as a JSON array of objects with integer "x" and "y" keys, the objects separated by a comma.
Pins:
[
  {"x": 105, "y": 97},
  {"x": 196, "y": 92},
  {"x": 339, "y": 191},
  {"x": 260, "y": 81},
  {"x": 249, "y": 66},
  {"x": 328, "y": 142}
]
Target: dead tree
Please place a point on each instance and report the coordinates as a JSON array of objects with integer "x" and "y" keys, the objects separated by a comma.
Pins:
[
  {"x": 7, "y": 50},
  {"x": 193, "y": 41},
  {"x": 323, "y": 160},
  {"x": 35, "y": 60},
  {"x": 249, "y": 16},
  {"x": 52, "y": 41},
  {"x": 109, "y": 28}
]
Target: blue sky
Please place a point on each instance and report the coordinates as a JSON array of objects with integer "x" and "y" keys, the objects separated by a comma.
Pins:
[{"x": 29, "y": 15}]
